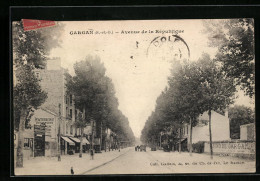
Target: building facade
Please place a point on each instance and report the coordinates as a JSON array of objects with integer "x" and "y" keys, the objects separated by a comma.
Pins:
[
  {"x": 56, "y": 115},
  {"x": 220, "y": 130}
]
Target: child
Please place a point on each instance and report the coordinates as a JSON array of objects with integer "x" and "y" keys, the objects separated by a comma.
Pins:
[{"x": 72, "y": 171}]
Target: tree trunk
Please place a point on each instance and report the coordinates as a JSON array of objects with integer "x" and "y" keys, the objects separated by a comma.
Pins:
[
  {"x": 160, "y": 140},
  {"x": 191, "y": 136},
  {"x": 100, "y": 135},
  {"x": 81, "y": 139},
  {"x": 84, "y": 112},
  {"x": 210, "y": 136},
  {"x": 59, "y": 141},
  {"x": 180, "y": 141},
  {"x": 92, "y": 136},
  {"x": 20, "y": 146}
]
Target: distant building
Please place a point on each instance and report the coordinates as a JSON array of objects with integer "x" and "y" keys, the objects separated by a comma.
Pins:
[
  {"x": 219, "y": 127},
  {"x": 110, "y": 140},
  {"x": 221, "y": 141}
]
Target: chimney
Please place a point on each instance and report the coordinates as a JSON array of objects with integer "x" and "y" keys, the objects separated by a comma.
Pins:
[{"x": 226, "y": 112}]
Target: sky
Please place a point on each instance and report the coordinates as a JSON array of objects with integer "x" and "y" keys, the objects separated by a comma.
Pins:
[{"x": 137, "y": 67}]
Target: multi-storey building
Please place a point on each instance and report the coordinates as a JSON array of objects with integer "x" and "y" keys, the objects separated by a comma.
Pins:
[{"x": 57, "y": 113}]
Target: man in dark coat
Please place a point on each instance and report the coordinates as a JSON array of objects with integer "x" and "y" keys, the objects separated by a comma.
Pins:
[{"x": 92, "y": 154}]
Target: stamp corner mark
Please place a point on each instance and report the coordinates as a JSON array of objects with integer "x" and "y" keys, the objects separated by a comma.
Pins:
[{"x": 30, "y": 24}]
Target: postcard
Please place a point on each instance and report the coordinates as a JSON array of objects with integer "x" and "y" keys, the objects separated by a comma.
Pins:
[{"x": 133, "y": 96}]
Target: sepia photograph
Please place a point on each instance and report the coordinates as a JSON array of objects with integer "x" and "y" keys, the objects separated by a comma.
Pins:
[{"x": 173, "y": 96}]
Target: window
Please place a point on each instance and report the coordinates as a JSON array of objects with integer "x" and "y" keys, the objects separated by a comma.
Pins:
[
  {"x": 26, "y": 142},
  {"x": 71, "y": 129},
  {"x": 67, "y": 128},
  {"x": 70, "y": 113},
  {"x": 66, "y": 99},
  {"x": 76, "y": 114},
  {"x": 187, "y": 129},
  {"x": 67, "y": 110},
  {"x": 70, "y": 99}
]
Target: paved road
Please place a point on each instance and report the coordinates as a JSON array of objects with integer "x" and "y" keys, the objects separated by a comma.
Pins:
[{"x": 159, "y": 162}]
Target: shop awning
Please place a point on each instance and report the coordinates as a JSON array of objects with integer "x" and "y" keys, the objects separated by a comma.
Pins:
[
  {"x": 68, "y": 140},
  {"x": 85, "y": 141},
  {"x": 75, "y": 139},
  {"x": 181, "y": 140}
]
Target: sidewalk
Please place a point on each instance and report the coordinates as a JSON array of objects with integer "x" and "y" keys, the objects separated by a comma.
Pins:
[{"x": 51, "y": 166}]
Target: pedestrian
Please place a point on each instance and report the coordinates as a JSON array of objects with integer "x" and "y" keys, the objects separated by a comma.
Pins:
[
  {"x": 92, "y": 154},
  {"x": 72, "y": 171}
]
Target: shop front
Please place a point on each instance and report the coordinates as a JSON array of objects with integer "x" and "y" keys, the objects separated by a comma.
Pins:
[
  {"x": 184, "y": 144},
  {"x": 45, "y": 141},
  {"x": 77, "y": 143},
  {"x": 85, "y": 145},
  {"x": 67, "y": 146},
  {"x": 97, "y": 146},
  {"x": 39, "y": 140}
]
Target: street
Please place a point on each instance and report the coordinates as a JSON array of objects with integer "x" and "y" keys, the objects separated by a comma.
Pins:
[
  {"x": 159, "y": 162},
  {"x": 129, "y": 161}
]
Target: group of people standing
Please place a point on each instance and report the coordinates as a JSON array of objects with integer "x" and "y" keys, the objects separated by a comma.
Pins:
[{"x": 140, "y": 148}]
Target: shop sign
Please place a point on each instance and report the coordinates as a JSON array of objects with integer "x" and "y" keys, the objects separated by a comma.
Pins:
[{"x": 47, "y": 121}]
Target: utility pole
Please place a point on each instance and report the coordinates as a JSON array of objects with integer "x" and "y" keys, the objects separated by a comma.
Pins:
[{"x": 59, "y": 158}]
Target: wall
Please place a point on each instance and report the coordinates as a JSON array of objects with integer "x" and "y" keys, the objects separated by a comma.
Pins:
[
  {"x": 219, "y": 126},
  {"x": 244, "y": 149},
  {"x": 243, "y": 132},
  {"x": 28, "y": 152},
  {"x": 247, "y": 132},
  {"x": 52, "y": 83}
]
